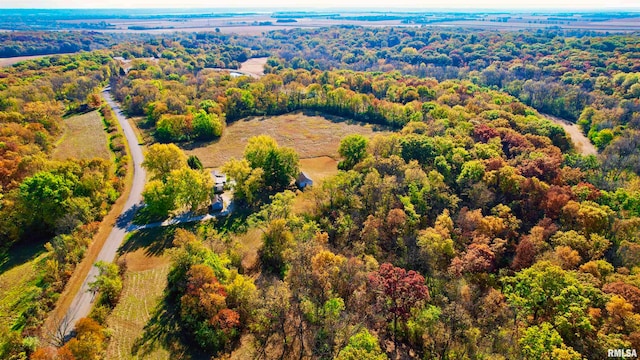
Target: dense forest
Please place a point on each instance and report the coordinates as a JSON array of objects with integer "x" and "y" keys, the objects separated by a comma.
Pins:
[
  {"x": 45, "y": 43},
  {"x": 469, "y": 223},
  {"x": 578, "y": 76},
  {"x": 472, "y": 229}
]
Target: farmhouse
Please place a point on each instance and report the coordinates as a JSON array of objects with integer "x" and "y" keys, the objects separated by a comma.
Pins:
[
  {"x": 219, "y": 180},
  {"x": 302, "y": 181}
]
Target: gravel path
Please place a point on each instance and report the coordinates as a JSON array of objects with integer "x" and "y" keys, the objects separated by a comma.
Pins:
[{"x": 581, "y": 142}]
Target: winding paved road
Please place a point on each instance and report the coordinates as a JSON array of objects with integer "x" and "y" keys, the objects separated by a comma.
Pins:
[{"x": 82, "y": 302}]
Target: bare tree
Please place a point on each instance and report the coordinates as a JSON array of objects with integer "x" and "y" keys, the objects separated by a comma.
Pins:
[{"x": 56, "y": 335}]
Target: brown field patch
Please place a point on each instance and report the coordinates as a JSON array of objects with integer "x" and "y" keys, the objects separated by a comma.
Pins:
[
  {"x": 139, "y": 260},
  {"x": 254, "y": 66},
  {"x": 251, "y": 242},
  {"x": 84, "y": 138},
  {"x": 311, "y": 134},
  {"x": 319, "y": 168},
  {"x": 14, "y": 60}
]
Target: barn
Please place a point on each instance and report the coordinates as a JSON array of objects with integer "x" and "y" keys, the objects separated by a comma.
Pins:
[{"x": 303, "y": 181}]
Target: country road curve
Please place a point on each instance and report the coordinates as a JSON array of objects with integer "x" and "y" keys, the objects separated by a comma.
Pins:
[
  {"x": 581, "y": 142},
  {"x": 83, "y": 300}
]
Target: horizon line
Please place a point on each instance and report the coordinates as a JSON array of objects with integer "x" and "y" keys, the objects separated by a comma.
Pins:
[{"x": 635, "y": 9}]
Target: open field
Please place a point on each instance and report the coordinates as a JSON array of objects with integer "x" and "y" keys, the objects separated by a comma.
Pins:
[
  {"x": 318, "y": 168},
  {"x": 84, "y": 138},
  {"x": 254, "y": 66},
  {"x": 144, "y": 283},
  {"x": 241, "y": 21},
  {"x": 142, "y": 292},
  {"x": 14, "y": 60},
  {"x": 310, "y": 134},
  {"x": 17, "y": 290}
]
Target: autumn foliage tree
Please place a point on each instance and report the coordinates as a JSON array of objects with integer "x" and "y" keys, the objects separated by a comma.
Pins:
[
  {"x": 204, "y": 310},
  {"x": 397, "y": 291}
]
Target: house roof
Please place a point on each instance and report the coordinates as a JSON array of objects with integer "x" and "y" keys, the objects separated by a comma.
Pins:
[
  {"x": 302, "y": 177},
  {"x": 218, "y": 177}
]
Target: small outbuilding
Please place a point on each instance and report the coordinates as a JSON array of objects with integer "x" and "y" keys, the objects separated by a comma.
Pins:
[
  {"x": 217, "y": 204},
  {"x": 219, "y": 181},
  {"x": 303, "y": 181}
]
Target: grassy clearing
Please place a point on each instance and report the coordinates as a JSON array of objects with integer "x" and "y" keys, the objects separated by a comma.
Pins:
[
  {"x": 19, "y": 276},
  {"x": 254, "y": 66},
  {"x": 144, "y": 284},
  {"x": 319, "y": 168},
  {"x": 18, "y": 289},
  {"x": 251, "y": 241},
  {"x": 143, "y": 292},
  {"x": 84, "y": 138},
  {"x": 310, "y": 134}
]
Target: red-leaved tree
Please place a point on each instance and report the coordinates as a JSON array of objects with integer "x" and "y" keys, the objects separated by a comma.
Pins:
[{"x": 398, "y": 291}]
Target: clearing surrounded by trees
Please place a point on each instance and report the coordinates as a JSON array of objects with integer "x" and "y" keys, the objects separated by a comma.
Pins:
[
  {"x": 310, "y": 134},
  {"x": 82, "y": 138}
]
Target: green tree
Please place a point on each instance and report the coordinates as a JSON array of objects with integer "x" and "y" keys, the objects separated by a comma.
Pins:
[
  {"x": 544, "y": 343},
  {"x": 353, "y": 148},
  {"x": 276, "y": 240},
  {"x": 159, "y": 199},
  {"x": 194, "y": 162},
  {"x": 362, "y": 345},
  {"x": 547, "y": 293},
  {"x": 192, "y": 187},
  {"x": 207, "y": 126},
  {"x": 108, "y": 283},
  {"x": 248, "y": 181},
  {"x": 161, "y": 159},
  {"x": 46, "y": 196},
  {"x": 280, "y": 164}
]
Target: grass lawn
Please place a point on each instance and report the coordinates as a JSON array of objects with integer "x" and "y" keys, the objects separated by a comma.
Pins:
[
  {"x": 19, "y": 276},
  {"x": 144, "y": 284},
  {"x": 84, "y": 138},
  {"x": 17, "y": 290},
  {"x": 311, "y": 134},
  {"x": 143, "y": 291}
]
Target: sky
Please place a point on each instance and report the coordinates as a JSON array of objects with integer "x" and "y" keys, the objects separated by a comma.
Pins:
[{"x": 320, "y": 4}]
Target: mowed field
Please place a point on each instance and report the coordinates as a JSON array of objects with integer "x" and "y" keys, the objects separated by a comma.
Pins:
[
  {"x": 141, "y": 295},
  {"x": 311, "y": 135},
  {"x": 17, "y": 290},
  {"x": 318, "y": 168},
  {"x": 83, "y": 138},
  {"x": 143, "y": 287},
  {"x": 254, "y": 66}
]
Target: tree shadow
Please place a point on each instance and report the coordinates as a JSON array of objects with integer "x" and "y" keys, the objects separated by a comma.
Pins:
[
  {"x": 20, "y": 253},
  {"x": 127, "y": 217},
  {"x": 153, "y": 240},
  {"x": 164, "y": 331},
  {"x": 336, "y": 119}
]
